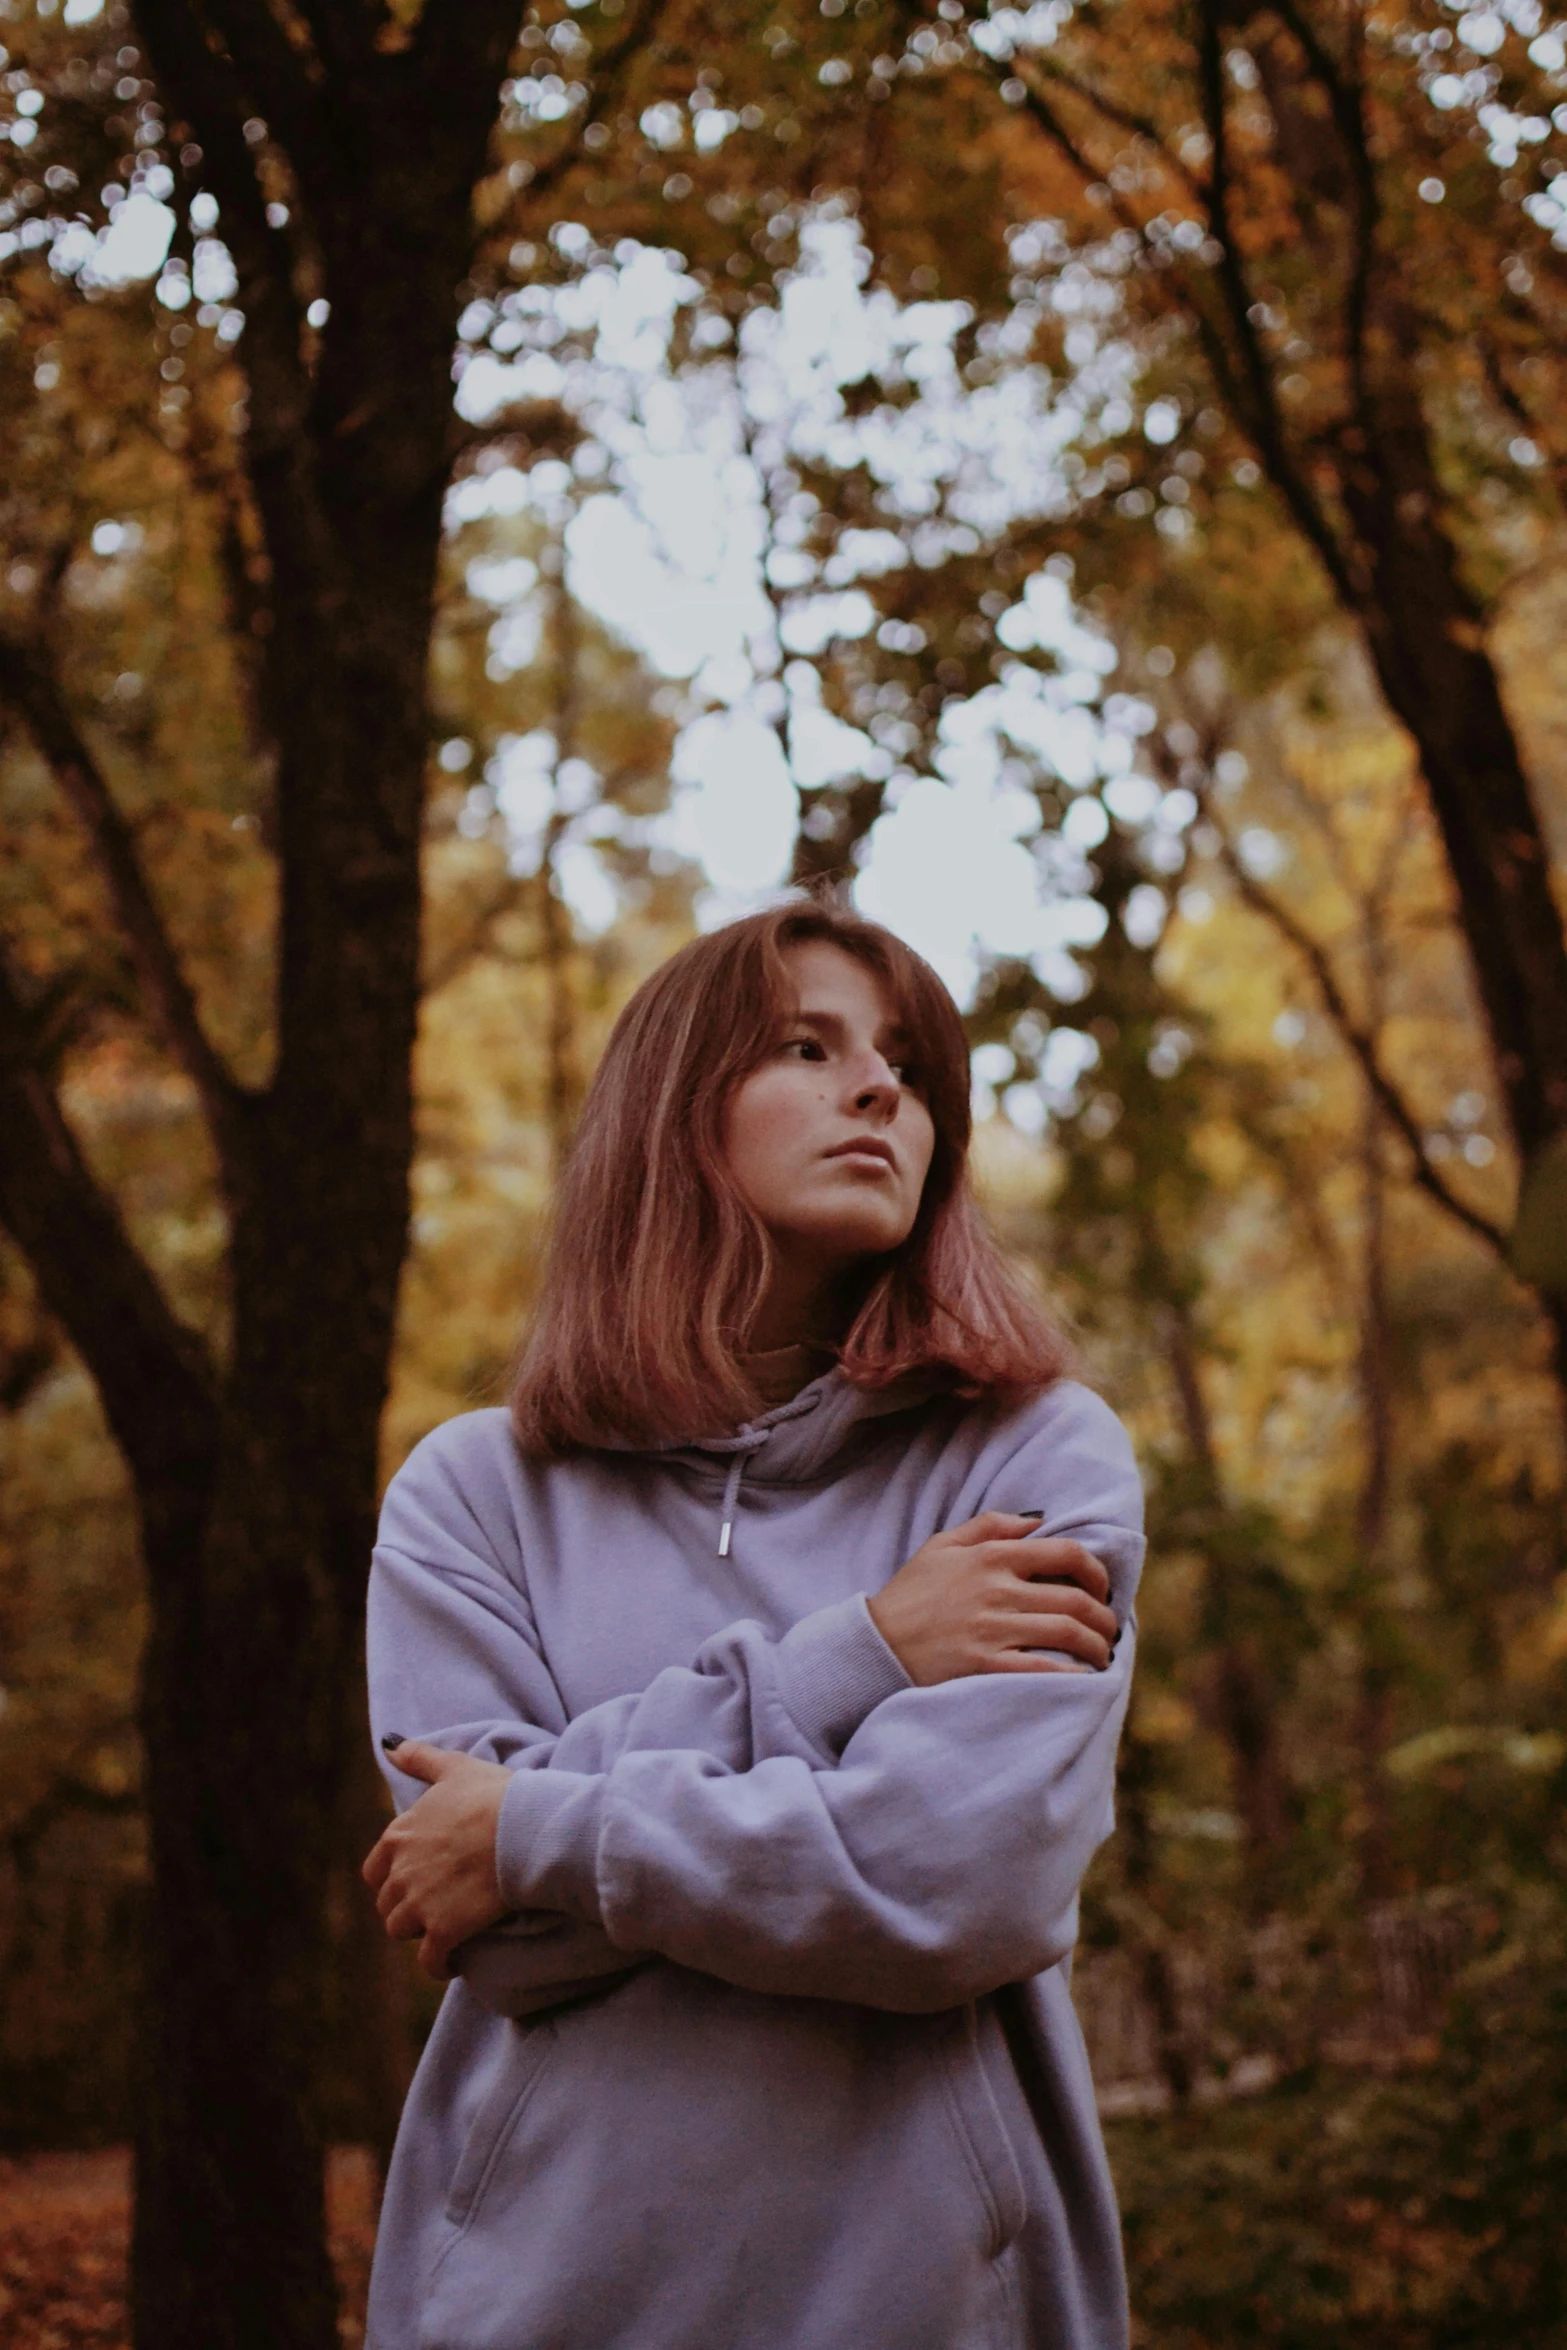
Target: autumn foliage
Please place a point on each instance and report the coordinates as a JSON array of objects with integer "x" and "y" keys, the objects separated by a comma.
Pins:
[{"x": 1144, "y": 420}]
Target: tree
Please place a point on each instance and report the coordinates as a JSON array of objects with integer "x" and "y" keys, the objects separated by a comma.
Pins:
[
  {"x": 1290, "y": 187},
  {"x": 342, "y": 152}
]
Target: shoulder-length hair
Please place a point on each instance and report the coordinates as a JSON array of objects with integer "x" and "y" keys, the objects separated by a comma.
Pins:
[{"x": 658, "y": 1267}]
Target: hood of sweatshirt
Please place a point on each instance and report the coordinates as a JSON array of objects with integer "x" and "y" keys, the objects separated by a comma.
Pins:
[{"x": 797, "y": 1442}]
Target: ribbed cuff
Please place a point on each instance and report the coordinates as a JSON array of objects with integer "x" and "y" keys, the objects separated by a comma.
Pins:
[
  {"x": 833, "y": 1669},
  {"x": 547, "y": 1840}
]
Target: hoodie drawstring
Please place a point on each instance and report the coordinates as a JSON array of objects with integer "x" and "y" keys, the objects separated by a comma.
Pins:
[{"x": 731, "y": 1497}]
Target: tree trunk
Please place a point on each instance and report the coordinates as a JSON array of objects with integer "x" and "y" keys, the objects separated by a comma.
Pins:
[
  {"x": 1153, "y": 1944},
  {"x": 1373, "y": 1710},
  {"x": 1424, "y": 633},
  {"x": 229, "y": 2243},
  {"x": 256, "y": 1640},
  {"x": 1242, "y": 1703}
]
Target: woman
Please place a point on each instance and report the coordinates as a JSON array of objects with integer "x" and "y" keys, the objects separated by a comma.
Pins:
[{"x": 759, "y": 1671}]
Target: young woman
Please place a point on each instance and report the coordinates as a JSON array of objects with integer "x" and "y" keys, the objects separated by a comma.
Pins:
[{"x": 755, "y": 1678}]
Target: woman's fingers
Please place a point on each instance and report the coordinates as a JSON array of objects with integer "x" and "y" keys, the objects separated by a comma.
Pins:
[
  {"x": 1060, "y": 1562},
  {"x": 434, "y": 1957},
  {"x": 1044, "y": 1615},
  {"x": 1028, "y": 1660},
  {"x": 1065, "y": 1632},
  {"x": 993, "y": 1526},
  {"x": 403, "y": 1920},
  {"x": 1064, "y": 1599},
  {"x": 415, "y": 1760}
]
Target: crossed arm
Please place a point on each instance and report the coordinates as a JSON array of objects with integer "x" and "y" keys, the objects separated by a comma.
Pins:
[
  {"x": 976, "y": 1599},
  {"x": 893, "y": 1803}
]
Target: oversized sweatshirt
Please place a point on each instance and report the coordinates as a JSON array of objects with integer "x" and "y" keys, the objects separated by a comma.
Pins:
[{"x": 775, "y": 2050}]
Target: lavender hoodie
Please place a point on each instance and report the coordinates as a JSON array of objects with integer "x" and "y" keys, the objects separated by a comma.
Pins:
[{"x": 777, "y": 2051}]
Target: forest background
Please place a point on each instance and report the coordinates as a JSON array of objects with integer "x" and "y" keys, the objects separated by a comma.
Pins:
[{"x": 1086, "y": 478}]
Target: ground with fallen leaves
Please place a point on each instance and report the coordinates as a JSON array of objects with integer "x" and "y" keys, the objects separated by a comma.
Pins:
[{"x": 64, "y": 2222}]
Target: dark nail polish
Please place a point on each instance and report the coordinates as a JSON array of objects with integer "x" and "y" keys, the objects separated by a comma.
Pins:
[
  {"x": 1028, "y": 1513},
  {"x": 392, "y": 1740}
]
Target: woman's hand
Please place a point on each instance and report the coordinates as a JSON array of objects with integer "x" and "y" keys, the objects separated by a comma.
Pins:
[
  {"x": 979, "y": 1598},
  {"x": 433, "y": 1871}
]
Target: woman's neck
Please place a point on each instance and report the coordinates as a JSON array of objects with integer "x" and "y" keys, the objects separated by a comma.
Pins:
[
  {"x": 776, "y": 1374},
  {"x": 800, "y": 1309}
]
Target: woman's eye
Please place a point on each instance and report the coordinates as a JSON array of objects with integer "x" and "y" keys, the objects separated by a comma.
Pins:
[{"x": 808, "y": 1047}]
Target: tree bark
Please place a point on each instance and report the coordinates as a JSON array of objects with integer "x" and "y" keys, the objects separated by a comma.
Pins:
[{"x": 1423, "y": 629}]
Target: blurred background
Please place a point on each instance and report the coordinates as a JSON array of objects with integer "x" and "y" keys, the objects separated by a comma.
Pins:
[{"x": 1088, "y": 481}]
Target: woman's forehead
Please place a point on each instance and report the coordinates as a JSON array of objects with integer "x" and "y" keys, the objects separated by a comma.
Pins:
[{"x": 827, "y": 978}]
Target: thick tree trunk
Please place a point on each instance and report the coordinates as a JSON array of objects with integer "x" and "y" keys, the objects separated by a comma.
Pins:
[
  {"x": 229, "y": 2242},
  {"x": 256, "y": 1641},
  {"x": 255, "y": 1661},
  {"x": 1424, "y": 633}
]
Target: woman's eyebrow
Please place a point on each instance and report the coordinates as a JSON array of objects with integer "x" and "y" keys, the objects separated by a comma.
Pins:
[{"x": 895, "y": 1032}]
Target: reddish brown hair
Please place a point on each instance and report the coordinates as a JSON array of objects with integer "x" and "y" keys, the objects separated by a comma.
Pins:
[{"x": 658, "y": 1267}]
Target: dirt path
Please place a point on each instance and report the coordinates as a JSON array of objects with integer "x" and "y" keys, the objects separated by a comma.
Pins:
[{"x": 64, "y": 2220}]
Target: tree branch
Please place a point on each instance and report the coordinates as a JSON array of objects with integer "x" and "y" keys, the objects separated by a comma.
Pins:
[
  {"x": 1249, "y": 396},
  {"x": 276, "y": 78},
  {"x": 441, "y": 970},
  {"x": 1347, "y": 101},
  {"x": 170, "y": 1001},
  {"x": 1140, "y": 125},
  {"x": 1360, "y": 1042},
  {"x": 1265, "y": 424},
  {"x": 203, "y": 87},
  {"x": 153, "y": 1373},
  {"x": 609, "y": 79},
  {"x": 342, "y": 30}
]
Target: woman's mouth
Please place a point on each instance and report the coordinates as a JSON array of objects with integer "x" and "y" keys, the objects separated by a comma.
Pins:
[{"x": 865, "y": 1150}]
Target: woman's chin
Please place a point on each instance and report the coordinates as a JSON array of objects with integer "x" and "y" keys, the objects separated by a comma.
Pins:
[{"x": 849, "y": 1240}]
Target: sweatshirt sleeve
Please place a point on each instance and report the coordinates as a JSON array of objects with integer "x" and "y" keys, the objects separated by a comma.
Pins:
[
  {"x": 455, "y": 1659},
  {"x": 939, "y": 1859}
]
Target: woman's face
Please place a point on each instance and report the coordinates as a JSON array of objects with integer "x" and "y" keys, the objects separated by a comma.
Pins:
[{"x": 829, "y": 1139}]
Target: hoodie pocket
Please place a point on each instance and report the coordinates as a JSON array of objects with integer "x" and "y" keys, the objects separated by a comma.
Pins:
[
  {"x": 500, "y": 2110},
  {"x": 981, "y": 2132}
]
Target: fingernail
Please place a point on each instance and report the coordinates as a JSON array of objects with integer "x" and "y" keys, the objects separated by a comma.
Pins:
[
  {"x": 1028, "y": 1513},
  {"x": 392, "y": 1740}
]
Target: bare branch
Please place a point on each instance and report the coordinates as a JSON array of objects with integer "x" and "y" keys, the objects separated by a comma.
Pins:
[
  {"x": 1264, "y": 421},
  {"x": 611, "y": 71},
  {"x": 170, "y": 1002},
  {"x": 1249, "y": 395},
  {"x": 1347, "y": 100},
  {"x": 1141, "y": 126},
  {"x": 152, "y": 1372},
  {"x": 1359, "y": 1040},
  {"x": 203, "y": 87},
  {"x": 279, "y": 83},
  {"x": 478, "y": 939},
  {"x": 342, "y": 30}
]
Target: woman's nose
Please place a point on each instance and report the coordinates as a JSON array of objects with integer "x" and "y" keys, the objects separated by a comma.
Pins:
[{"x": 877, "y": 1087}]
